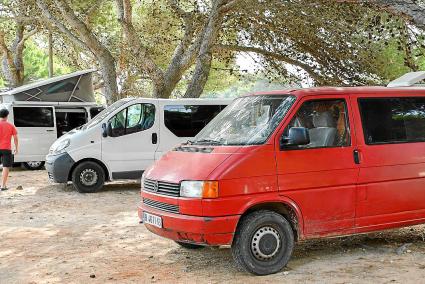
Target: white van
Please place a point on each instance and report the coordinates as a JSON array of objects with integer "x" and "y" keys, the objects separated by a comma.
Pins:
[
  {"x": 126, "y": 138},
  {"x": 44, "y": 110},
  {"x": 40, "y": 124}
]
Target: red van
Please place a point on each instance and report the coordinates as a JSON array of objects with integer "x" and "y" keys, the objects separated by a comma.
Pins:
[{"x": 277, "y": 167}]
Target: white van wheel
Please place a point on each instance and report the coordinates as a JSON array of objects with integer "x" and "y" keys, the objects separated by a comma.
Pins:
[
  {"x": 34, "y": 165},
  {"x": 88, "y": 177}
]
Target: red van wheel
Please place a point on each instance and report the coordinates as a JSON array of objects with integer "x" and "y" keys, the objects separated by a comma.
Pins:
[{"x": 263, "y": 243}]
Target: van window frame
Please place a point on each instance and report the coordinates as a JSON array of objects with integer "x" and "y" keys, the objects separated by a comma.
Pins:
[
  {"x": 52, "y": 108},
  {"x": 298, "y": 106},
  {"x": 363, "y": 123},
  {"x": 126, "y": 115}
]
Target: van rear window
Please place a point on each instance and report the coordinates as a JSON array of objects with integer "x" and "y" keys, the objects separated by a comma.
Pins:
[
  {"x": 188, "y": 120},
  {"x": 393, "y": 120},
  {"x": 33, "y": 116}
]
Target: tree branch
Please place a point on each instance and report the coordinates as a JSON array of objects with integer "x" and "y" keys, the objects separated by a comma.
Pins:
[
  {"x": 409, "y": 8},
  {"x": 137, "y": 49},
  {"x": 58, "y": 24},
  {"x": 277, "y": 56},
  {"x": 230, "y": 5}
]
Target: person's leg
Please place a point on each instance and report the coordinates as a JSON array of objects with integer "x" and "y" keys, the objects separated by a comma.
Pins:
[
  {"x": 4, "y": 177},
  {"x": 7, "y": 162}
]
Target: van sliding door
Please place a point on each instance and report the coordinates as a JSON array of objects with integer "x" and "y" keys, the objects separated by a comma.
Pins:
[
  {"x": 391, "y": 142},
  {"x": 36, "y": 130}
]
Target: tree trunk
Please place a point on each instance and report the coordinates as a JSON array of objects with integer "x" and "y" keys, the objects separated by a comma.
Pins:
[
  {"x": 203, "y": 61},
  {"x": 12, "y": 59},
  {"x": 109, "y": 76},
  {"x": 82, "y": 35},
  {"x": 50, "y": 54},
  {"x": 9, "y": 70}
]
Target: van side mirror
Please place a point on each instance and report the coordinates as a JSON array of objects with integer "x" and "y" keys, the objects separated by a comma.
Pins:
[
  {"x": 107, "y": 129},
  {"x": 297, "y": 136},
  {"x": 104, "y": 130}
]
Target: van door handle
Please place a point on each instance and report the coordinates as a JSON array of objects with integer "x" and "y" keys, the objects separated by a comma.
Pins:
[
  {"x": 154, "y": 138},
  {"x": 356, "y": 155},
  {"x": 49, "y": 130}
]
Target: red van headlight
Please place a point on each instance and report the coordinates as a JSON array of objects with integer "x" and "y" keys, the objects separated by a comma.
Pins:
[
  {"x": 199, "y": 188},
  {"x": 142, "y": 181}
]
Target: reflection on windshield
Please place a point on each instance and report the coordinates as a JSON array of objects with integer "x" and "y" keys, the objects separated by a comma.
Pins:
[
  {"x": 247, "y": 121},
  {"x": 104, "y": 113}
]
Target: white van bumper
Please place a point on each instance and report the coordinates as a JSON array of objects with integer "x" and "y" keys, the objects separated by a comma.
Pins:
[{"x": 59, "y": 167}]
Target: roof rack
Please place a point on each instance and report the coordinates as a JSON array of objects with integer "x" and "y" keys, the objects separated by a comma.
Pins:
[{"x": 408, "y": 80}]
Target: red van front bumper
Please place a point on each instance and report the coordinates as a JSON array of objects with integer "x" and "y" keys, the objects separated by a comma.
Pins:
[{"x": 211, "y": 231}]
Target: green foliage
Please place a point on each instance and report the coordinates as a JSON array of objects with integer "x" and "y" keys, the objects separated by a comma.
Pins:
[
  {"x": 330, "y": 43},
  {"x": 242, "y": 84},
  {"x": 389, "y": 62},
  {"x": 36, "y": 63}
]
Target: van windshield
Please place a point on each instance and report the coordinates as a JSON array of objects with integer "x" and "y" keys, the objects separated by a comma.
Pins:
[
  {"x": 246, "y": 121},
  {"x": 104, "y": 113}
]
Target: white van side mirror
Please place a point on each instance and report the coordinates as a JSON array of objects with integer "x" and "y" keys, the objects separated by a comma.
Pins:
[
  {"x": 107, "y": 129},
  {"x": 104, "y": 130}
]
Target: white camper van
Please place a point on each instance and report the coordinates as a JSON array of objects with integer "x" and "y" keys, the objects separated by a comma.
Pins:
[
  {"x": 126, "y": 138},
  {"x": 45, "y": 110}
]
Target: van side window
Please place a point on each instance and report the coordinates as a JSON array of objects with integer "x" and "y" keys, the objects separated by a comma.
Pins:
[
  {"x": 188, "y": 120},
  {"x": 62, "y": 87},
  {"x": 135, "y": 118},
  {"x": 326, "y": 121},
  {"x": 393, "y": 120},
  {"x": 68, "y": 119},
  {"x": 33, "y": 116},
  {"x": 118, "y": 123}
]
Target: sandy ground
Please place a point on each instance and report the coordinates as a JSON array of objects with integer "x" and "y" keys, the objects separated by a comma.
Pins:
[{"x": 53, "y": 234}]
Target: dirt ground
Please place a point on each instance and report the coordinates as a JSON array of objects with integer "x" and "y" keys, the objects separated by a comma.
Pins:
[{"x": 52, "y": 234}]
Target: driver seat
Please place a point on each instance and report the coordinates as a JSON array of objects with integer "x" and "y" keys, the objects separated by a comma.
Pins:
[{"x": 324, "y": 132}]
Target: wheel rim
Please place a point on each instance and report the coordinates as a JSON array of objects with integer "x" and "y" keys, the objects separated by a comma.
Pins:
[
  {"x": 89, "y": 177},
  {"x": 34, "y": 164},
  {"x": 265, "y": 243}
]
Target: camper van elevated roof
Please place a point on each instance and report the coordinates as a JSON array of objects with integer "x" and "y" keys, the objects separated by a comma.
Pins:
[{"x": 76, "y": 87}]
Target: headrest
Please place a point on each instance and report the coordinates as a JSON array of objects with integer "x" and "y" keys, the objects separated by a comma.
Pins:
[{"x": 323, "y": 119}]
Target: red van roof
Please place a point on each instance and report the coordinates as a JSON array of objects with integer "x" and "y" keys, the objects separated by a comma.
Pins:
[{"x": 405, "y": 91}]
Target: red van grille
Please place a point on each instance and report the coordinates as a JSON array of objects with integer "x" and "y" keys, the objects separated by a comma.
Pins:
[
  {"x": 161, "y": 205},
  {"x": 160, "y": 187}
]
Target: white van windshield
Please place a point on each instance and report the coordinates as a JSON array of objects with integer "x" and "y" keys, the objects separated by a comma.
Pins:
[
  {"x": 247, "y": 121},
  {"x": 104, "y": 113}
]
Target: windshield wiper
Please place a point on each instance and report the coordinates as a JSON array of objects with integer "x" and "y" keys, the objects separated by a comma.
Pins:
[{"x": 207, "y": 141}]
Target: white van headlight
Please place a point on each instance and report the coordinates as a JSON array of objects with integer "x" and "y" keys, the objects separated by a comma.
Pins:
[
  {"x": 199, "y": 189},
  {"x": 60, "y": 148}
]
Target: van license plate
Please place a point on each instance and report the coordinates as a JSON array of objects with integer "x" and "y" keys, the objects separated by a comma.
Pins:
[{"x": 152, "y": 220}]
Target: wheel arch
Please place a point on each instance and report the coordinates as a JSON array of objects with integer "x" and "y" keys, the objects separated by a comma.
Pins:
[
  {"x": 286, "y": 208},
  {"x": 100, "y": 163}
]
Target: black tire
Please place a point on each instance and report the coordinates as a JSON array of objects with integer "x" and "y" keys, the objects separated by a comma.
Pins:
[
  {"x": 263, "y": 243},
  {"x": 88, "y": 177},
  {"x": 33, "y": 166},
  {"x": 188, "y": 245}
]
